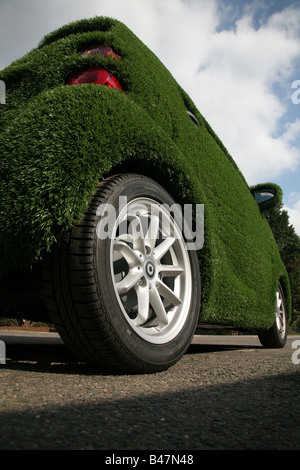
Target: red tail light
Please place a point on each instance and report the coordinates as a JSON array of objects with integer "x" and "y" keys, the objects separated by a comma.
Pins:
[{"x": 96, "y": 76}]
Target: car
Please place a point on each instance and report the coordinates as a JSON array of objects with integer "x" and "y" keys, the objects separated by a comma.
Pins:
[{"x": 118, "y": 192}]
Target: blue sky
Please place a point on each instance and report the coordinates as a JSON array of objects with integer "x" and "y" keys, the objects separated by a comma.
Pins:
[{"x": 237, "y": 59}]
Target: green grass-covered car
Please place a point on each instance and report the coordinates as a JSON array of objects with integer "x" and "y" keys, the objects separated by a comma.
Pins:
[{"x": 100, "y": 152}]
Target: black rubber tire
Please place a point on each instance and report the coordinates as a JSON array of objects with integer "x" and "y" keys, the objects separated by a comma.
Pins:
[
  {"x": 82, "y": 301},
  {"x": 274, "y": 338}
]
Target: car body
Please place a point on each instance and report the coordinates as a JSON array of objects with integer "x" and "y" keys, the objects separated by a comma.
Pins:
[{"x": 58, "y": 141}]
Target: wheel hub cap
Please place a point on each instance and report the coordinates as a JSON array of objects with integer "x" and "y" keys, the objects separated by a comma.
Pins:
[{"x": 150, "y": 269}]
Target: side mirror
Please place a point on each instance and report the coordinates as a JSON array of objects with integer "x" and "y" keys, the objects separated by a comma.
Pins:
[{"x": 267, "y": 195}]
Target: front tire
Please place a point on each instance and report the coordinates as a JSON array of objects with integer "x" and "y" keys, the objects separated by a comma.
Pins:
[{"x": 124, "y": 289}]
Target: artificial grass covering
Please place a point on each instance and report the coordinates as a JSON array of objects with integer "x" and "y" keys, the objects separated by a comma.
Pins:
[{"x": 58, "y": 141}]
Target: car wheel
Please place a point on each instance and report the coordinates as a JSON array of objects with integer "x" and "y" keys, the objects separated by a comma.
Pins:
[
  {"x": 276, "y": 336},
  {"x": 124, "y": 289}
]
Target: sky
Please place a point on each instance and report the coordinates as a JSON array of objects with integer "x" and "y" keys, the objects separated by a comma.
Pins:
[{"x": 239, "y": 60}]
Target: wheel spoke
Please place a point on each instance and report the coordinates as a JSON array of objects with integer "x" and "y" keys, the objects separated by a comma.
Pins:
[
  {"x": 158, "y": 306},
  {"x": 279, "y": 323},
  {"x": 170, "y": 270},
  {"x": 168, "y": 294},
  {"x": 143, "y": 297},
  {"x": 129, "y": 281},
  {"x": 137, "y": 232},
  {"x": 128, "y": 253},
  {"x": 279, "y": 302},
  {"x": 152, "y": 233},
  {"x": 163, "y": 248}
]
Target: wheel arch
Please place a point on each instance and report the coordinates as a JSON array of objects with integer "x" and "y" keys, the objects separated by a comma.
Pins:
[{"x": 160, "y": 175}]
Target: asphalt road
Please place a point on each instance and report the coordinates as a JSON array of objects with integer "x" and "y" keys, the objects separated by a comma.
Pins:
[{"x": 227, "y": 392}]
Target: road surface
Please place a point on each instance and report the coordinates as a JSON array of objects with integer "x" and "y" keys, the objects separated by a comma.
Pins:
[{"x": 227, "y": 392}]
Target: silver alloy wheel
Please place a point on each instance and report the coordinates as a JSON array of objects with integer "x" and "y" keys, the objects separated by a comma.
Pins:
[
  {"x": 127, "y": 288},
  {"x": 280, "y": 314},
  {"x": 151, "y": 270}
]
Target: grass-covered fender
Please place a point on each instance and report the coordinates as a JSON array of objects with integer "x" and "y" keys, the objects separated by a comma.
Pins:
[
  {"x": 57, "y": 142},
  {"x": 57, "y": 151}
]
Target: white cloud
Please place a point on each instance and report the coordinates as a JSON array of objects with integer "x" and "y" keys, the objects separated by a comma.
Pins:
[{"x": 233, "y": 89}]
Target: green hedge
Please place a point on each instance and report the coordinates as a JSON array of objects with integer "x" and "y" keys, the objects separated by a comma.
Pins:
[{"x": 57, "y": 142}]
